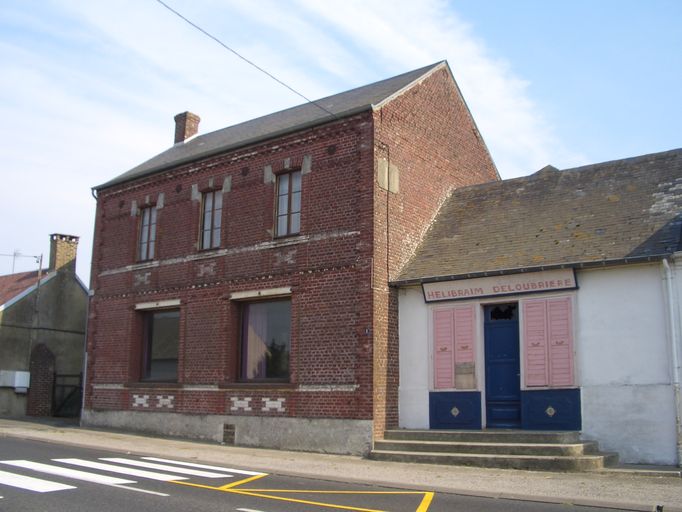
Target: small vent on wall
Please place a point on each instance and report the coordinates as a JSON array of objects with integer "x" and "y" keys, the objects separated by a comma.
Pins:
[{"x": 228, "y": 434}]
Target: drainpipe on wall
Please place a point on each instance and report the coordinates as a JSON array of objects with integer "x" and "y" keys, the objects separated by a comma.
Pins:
[{"x": 674, "y": 334}]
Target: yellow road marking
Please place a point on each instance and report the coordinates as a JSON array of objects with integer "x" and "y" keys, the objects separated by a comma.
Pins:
[
  {"x": 426, "y": 502},
  {"x": 257, "y": 493},
  {"x": 304, "y": 491},
  {"x": 241, "y": 482},
  {"x": 304, "y": 502}
]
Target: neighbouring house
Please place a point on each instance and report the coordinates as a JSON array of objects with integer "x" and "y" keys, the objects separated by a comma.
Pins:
[
  {"x": 42, "y": 336},
  {"x": 240, "y": 279},
  {"x": 552, "y": 302}
]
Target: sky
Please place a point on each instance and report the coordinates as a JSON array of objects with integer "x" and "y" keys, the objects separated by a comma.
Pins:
[{"x": 88, "y": 89}]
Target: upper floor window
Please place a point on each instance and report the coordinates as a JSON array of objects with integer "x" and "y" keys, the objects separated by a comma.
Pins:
[
  {"x": 211, "y": 217},
  {"x": 147, "y": 243},
  {"x": 288, "y": 203}
]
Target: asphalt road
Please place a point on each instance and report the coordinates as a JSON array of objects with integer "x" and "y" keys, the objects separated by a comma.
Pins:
[{"x": 36, "y": 476}]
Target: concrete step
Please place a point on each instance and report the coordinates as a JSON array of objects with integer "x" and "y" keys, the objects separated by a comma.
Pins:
[
  {"x": 485, "y": 436},
  {"x": 495, "y": 448},
  {"x": 527, "y": 462}
]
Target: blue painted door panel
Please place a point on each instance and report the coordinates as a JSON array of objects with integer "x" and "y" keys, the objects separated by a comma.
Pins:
[{"x": 502, "y": 370}]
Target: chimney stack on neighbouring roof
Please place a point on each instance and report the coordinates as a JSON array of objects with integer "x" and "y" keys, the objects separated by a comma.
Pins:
[
  {"x": 63, "y": 252},
  {"x": 186, "y": 125}
]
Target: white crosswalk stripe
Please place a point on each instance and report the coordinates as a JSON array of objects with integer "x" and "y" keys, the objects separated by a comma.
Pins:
[
  {"x": 139, "y": 473},
  {"x": 204, "y": 466},
  {"x": 68, "y": 473},
  {"x": 166, "y": 467},
  {"x": 149, "y": 468},
  {"x": 31, "y": 484}
]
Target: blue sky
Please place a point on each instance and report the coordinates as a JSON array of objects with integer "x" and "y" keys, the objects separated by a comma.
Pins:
[{"x": 89, "y": 89}]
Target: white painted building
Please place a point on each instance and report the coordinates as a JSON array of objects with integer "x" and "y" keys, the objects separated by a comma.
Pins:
[{"x": 552, "y": 302}]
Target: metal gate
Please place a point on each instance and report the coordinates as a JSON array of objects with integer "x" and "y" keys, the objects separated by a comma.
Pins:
[{"x": 68, "y": 393}]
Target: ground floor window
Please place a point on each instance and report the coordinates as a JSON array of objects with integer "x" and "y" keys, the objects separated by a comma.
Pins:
[
  {"x": 266, "y": 340},
  {"x": 160, "y": 347}
]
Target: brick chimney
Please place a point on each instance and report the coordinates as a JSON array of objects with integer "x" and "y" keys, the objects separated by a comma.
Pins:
[
  {"x": 63, "y": 253},
  {"x": 186, "y": 125}
]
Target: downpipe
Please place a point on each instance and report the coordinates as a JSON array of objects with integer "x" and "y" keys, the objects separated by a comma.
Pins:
[{"x": 674, "y": 335}]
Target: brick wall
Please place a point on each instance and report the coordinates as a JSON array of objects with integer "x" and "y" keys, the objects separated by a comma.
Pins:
[
  {"x": 40, "y": 392},
  {"x": 428, "y": 138},
  {"x": 327, "y": 267},
  {"x": 355, "y": 237}
]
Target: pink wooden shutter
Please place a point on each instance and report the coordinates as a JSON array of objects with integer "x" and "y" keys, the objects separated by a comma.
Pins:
[
  {"x": 560, "y": 321},
  {"x": 465, "y": 326},
  {"x": 443, "y": 357},
  {"x": 535, "y": 342}
]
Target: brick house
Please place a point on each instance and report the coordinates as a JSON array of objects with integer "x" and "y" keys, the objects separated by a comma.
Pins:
[
  {"x": 42, "y": 334},
  {"x": 240, "y": 279}
]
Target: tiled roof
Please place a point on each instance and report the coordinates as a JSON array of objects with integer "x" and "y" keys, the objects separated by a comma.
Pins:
[
  {"x": 279, "y": 123},
  {"x": 13, "y": 284},
  {"x": 612, "y": 211}
]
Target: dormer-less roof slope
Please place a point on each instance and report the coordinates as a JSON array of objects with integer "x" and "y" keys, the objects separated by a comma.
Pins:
[
  {"x": 613, "y": 212},
  {"x": 279, "y": 123},
  {"x": 15, "y": 286}
]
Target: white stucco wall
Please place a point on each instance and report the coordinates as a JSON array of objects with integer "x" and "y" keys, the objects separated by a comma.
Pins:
[
  {"x": 622, "y": 354},
  {"x": 414, "y": 360}
]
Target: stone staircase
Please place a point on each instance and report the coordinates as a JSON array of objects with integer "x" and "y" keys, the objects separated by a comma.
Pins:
[{"x": 512, "y": 449}]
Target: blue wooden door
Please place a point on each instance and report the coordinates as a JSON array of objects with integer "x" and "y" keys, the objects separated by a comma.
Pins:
[{"x": 502, "y": 368}]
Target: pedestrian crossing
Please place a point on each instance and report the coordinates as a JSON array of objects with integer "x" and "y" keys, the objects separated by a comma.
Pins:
[{"x": 119, "y": 472}]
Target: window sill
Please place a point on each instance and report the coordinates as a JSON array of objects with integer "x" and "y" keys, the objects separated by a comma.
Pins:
[
  {"x": 257, "y": 385},
  {"x": 154, "y": 384}
]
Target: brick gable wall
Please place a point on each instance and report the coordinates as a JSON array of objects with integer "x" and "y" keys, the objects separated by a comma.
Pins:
[{"x": 428, "y": 138}]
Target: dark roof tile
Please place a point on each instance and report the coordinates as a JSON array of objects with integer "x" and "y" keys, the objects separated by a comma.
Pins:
[
  {"x": 13, "y": 284},
  {"x": 273, "y": 125},
  {"x": 615, "y": 210}
]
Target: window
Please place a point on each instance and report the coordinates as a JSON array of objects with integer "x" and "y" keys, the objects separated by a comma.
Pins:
[
  {"x": 548, "y": 341},
  {"x": 211, "y": 219},
  {"x": 289, "y": 203},
  {"x": 160, "y": 349},
  {"x": 454, "y": 353},
  {"x": 147, "y": 234},
  {"x": 266, "y": 340}
]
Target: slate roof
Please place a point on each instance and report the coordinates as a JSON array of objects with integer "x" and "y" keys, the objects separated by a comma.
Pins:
[
  {"x": 274, "y": 125},
  {"x": 13, "y": 284},
  {"x": 618, "y": 211}
]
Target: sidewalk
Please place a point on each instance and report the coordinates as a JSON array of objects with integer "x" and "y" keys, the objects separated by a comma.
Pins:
[{"x": 620, "y": 489}]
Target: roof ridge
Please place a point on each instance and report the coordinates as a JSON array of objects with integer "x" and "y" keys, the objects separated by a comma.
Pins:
[{"x": 627, "y": 160}]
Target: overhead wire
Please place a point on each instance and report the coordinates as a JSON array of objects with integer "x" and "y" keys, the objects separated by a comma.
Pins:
[{"x": 208, "y": 34}]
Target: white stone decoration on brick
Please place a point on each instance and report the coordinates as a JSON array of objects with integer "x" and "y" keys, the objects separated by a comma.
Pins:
[
  {"x": 165, "y": 401},
  {"x": 276, "y": 405},
  {"x": 142, "y": 278},
  {"x": 206, "y": 269},
  {"x": 243, "y": 404},
  {"x": 140, "y": 400}
]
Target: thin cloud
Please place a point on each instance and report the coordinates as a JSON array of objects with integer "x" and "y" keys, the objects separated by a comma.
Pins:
[
  {"x": 91, "y": 87},
  {"x": 403, "y": 34}
]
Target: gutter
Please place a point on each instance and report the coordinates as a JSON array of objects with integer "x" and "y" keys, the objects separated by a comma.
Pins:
[
  {"x": 525, "y": 270},
  {"x": 674, "y": 337}
]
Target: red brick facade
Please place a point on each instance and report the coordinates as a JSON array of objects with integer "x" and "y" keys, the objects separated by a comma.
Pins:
[{"x": 355, "y": 235}]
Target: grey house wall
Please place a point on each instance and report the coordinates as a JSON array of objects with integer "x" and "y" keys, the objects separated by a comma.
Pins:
[{"x": 57, "y": 320}]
